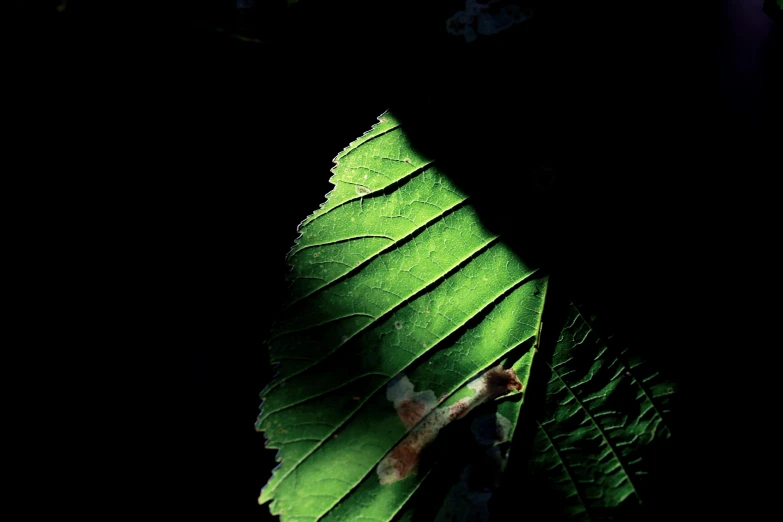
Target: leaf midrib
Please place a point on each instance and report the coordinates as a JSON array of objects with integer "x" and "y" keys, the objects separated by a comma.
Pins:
[
  {"x": 565, "y": 466},
  {"x": 627, "y": 367},
  {"x": 599, "y": 428}
]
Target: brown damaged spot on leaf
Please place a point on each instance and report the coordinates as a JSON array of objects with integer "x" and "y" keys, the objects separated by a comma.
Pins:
[
  {"x": 411, "y": 407},
  {"x": 411, "y": 412},
  {"x": 403, "y": 459},
  {"x": 458, "y": 409},
  {"x": 500, "y": 381},
  {"x": 402, "y": 462}
]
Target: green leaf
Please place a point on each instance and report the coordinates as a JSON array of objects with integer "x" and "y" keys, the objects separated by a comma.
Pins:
[
  {"x": 404, "y": 318},
  {"x": 600, "y": 419}
]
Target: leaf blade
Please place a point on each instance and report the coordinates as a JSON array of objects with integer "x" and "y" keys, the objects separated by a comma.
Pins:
[
  {"x": 398, "y": 279},
  {"x": 447, "y": 271},
  {"x": 600, "y": 420}
]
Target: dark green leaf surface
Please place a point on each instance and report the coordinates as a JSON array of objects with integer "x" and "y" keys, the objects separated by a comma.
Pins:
[{"x": 605, "y": 408}]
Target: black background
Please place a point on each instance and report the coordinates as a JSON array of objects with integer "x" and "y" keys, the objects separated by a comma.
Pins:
[{"x": 179, "y": 160}]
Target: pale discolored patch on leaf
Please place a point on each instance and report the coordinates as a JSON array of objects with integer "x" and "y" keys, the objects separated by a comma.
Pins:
[
  {"x": 403, "y": 460},
  {"x": 410, "y": 406}
]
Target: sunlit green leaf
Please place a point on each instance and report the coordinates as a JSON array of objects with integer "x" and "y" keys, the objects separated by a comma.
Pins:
[{"x": 405, "y": 314}]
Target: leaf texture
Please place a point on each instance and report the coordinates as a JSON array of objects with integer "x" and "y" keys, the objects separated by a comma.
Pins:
[
  {"x": 403, "y": 308},
  {"x": 606, "y": 409},
  {"x": 393, "y": 275}
]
